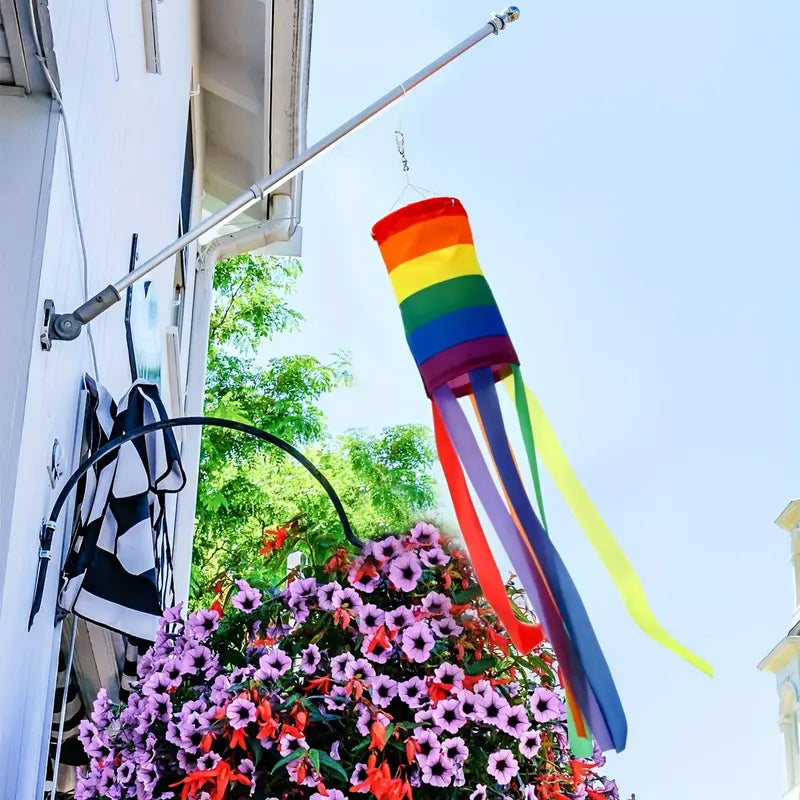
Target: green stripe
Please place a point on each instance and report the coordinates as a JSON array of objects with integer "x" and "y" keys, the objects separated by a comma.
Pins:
[
  {"x": 523, "y": 413},
  {"x": 442, "y": 298}
]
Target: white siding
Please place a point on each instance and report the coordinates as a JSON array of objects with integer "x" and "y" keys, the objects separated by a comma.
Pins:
[{"x": 128, "y": 140}]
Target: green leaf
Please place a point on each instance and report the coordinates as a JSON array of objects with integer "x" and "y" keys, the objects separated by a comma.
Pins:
[
  {"x": 314, "y": 756},
  {"x": 288, "y": 760},
  {"x": 331, "y": 764},
  {"x": 476, "y": 667},
  {"x": 465, "y": 595}
]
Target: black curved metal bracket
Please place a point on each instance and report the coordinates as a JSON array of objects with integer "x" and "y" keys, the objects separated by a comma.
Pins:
[{"x": 48, "y": 526}]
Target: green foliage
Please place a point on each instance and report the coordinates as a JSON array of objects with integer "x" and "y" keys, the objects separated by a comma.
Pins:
[{"x": 246, "y": 487}]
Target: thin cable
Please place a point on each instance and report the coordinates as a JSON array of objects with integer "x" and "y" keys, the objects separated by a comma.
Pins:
[
  {"x": 70, "y": 172},
  {"x": 113, "y": 42},
  {"x": 63, "y": 717},
  {"x": 400, "y": 143}
]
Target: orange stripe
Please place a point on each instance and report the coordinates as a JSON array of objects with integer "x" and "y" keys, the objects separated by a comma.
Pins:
[
  {"x": 425, "y": 237},
  {"x": 577, "y": 715}
]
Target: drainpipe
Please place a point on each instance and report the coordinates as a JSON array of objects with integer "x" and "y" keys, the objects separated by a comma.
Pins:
[{"x": 279, "y": 228}]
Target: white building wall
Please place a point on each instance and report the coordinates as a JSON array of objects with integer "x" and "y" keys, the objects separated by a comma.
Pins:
[{"x": 128, "y": 142}]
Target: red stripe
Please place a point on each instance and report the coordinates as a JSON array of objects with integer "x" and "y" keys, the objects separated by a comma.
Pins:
[
  {"x": 416, "y": 212},
  {"x": 524, "y": 636}
]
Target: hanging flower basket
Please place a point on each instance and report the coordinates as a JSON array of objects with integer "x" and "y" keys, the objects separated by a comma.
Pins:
[{"x": 384, "y": 675}]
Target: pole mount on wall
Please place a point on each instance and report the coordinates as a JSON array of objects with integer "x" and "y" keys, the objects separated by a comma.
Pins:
[{"x": 66, "y": 327}]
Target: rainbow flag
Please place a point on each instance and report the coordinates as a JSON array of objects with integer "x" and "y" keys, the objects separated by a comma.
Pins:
[{"x": 462, "y": 348}]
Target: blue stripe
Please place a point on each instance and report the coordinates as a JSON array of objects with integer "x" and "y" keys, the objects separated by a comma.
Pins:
[
  {"x": 454, "y": 328},
  {"x": 573, "y": 612}
]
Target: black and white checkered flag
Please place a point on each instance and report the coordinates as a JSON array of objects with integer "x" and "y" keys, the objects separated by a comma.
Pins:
[{"x": 119, "y": 570}]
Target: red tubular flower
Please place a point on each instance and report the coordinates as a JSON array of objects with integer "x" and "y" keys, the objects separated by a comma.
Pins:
[
  {"x": 342, "y": 617},
  {"x": 238, "y": 740},
  {"x": 222, "y": 775},
  {"x": 377, "y": 736},
  {"x": 439, "y": 691},
  {"x": 412, "y": 748},
  {"x": 323, "y": 685},
  {"x": 217, "y": 606},
  {"x": 380, "y": 639}
]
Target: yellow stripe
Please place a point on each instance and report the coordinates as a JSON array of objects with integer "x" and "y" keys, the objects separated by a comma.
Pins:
[
  {"x": 439, "y": 265},
  {"x": 616, "y": 562}
]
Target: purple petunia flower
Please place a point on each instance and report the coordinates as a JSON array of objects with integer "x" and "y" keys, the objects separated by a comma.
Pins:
[
  {"x": 359, "y": 669},
  {"x": 447, "y": 714},
  {"x": 418, "y": 642},
  {"x": 240, "y": 712},
  {"x": 438, "y": 770},
  {"x": 436, "y": 604},
  {"x": 514, "y": 721},
  {"x": 208, "y": 760},
  {"x": 311, "y": 778},
  {"x": 198, "y": 659},
  {"x": 428, "y": 744},
  {"x": 288, "y": 744},
  {"x": 490, "y": 709},
  {"x": 202, "y": 623},
  {"x": 358, "y": 777},
  {"x": 529, "y": 792},
  {"x": 405, "y": 572},
  {"x": 579, "y": 793},
  {"x": 449, "y": 673},
  {"x": 455, "y": 749},
  {"x": 338, "y": 666},
  {"x": 247, "y": 599},
  {"x": 545, "y": 705},
  {"x": 469, "y": 704},
  {"x": 365, "y": 580},
  {"x": 413, "y": 692},
  {"x": 363, "y": 719},
  {"x": 303, "y": 589},
  {"x": 401, "y": 617},
  {"x": 309, "y": 659},
  {"x": 333, "y": 794},
  {"x": 424, "y": 534},
  {"x": 219, "y": 690},
  {"x": 425, "y": 715},
  {"x": 375, "y": 651},
  {"x": 160, "y": 705},
  {"x": 247, "y": 767},
  {"x": 337, "y": 698},
  {"x": 383, "y": 690},
  {"x": 503, "y": 766},
  {"x": 479, "y": 793},
  {"x": 387, "y": 548},
  {"x": 325, "y": 595},
  {"x": 434, "y": 557},
  {"x": 529, "y": 743},
  {"x": 335, "y": 751},
  {"x": 370, "y": 618},
  {"x": 173, "y": 614},
  {"x": 346, "y": 598},
  {"x": 272, "y": 665},
  {"x": 446, "y": 626}
]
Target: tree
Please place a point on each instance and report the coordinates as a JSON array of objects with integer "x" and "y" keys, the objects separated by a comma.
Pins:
[{"x": 247, "y": 488}]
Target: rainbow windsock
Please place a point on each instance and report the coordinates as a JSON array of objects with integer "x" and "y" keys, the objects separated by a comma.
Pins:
[{"x": 462, "y": 348}]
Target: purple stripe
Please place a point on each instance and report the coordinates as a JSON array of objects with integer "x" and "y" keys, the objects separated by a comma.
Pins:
[
  {"x": 532, "y": 581},
  {"x": 452, "y": 366}
]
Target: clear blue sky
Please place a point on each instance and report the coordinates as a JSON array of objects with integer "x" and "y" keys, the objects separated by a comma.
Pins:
[{"x": 632, "y": 172}]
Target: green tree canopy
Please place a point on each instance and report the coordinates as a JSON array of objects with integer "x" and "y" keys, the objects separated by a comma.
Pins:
[{"x": 246, "y": 488}]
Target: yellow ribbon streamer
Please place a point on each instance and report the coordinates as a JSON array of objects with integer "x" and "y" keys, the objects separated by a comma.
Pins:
[{"x": 605, "y": 545}]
